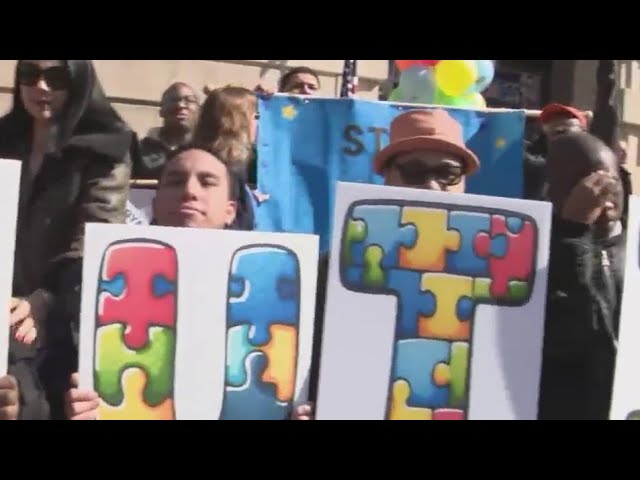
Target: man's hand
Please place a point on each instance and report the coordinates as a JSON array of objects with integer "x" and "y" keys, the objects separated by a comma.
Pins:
[
  {"x": 81, "y": 404},
  {"x": 264, "y": 90},
  {"x": 303, "y": 412},
  {"x": 589, "y": 198},
  {"x": 9, "y": 398}
]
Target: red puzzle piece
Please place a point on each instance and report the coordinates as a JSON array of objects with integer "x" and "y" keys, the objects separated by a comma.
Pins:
[
  {"x": 135, "y": 304},
  {"x": 517, "y": 263},
  {"x": 448, "y": 414}
]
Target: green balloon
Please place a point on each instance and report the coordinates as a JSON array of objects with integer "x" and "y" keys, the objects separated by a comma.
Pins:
[{"x": 395, "y": 95}]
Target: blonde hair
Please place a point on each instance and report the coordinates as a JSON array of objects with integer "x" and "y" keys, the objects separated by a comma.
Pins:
[{"x": 224, "y": 124}]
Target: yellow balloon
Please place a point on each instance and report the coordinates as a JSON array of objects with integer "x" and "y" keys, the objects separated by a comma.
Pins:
[{"x": 455, "y": 77}]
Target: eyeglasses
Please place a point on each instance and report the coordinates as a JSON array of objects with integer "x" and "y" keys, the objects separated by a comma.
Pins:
[
  {"x": 415, "y": 172},
  {"x": 57, "y": 78}
]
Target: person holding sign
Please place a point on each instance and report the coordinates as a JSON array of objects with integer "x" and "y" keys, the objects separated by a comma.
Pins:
[
  {"x": 426, "y": 151},
  {"x": 74, "y": 149},
  {"x": 196, "y": 190},
  {"x": 585, "y": 279}
]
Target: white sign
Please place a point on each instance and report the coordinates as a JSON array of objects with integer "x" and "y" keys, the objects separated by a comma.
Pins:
[
  {"x": 625, "y": 401},
  {"x": 10, "y": 188},
  {"x": 435, "y": 306},
  {"x": 182, "y": 323}
]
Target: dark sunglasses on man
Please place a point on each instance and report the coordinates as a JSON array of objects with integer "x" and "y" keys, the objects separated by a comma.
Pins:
[
  {"x": 57, "y": 77},
  {"x": 415, "y": 172}
]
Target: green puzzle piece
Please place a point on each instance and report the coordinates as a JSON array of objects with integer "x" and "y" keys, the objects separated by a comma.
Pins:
[
  {"x": 356, "y": 232},
  {"x": 518, "y": 291},
  {"x": 113, "y": 358},
  {"x": 458, "y": 366},
  {"x": 373, "y": 272}
]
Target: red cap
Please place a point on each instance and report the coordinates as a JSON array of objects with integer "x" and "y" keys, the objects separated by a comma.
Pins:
[{"x": 556, "y": 109}]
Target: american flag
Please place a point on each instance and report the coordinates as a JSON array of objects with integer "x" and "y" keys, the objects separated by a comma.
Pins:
[{"x": 349, "y": 79}]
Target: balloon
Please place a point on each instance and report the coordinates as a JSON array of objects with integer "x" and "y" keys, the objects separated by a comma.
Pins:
[
  {"x": 395, "y": 95},
  {"x": 455, "y": 77},
  {"x": 471, "y": 100},
  {"x": 417, "y": 85},
  {"x": 404, "y": 64},
  {"x": 475, "y": 100},
  {"x": 428, "y": 63},
  {"x": 486, "y": 73}
]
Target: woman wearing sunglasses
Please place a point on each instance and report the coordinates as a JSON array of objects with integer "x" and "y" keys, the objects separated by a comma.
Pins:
[{"x": 76, "y": 169}]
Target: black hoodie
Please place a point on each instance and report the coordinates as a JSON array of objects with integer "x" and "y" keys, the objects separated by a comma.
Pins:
[{"x": 87, "y": 170}]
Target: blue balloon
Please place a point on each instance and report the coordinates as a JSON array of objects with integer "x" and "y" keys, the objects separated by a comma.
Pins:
[
  {"x": 486, "y": 73},
  {"x": 417, "y": 84}
]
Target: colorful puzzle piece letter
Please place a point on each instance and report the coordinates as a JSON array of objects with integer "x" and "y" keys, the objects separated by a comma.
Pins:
[
  {"x": 137, "y": 288},
  {"x": 134, "y": 407},
  {"x": 263, "y": 316},
  {"x": 462, "y": 257}
]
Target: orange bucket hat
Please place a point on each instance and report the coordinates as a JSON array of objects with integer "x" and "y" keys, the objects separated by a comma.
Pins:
[{"x": 426, "y": 130}]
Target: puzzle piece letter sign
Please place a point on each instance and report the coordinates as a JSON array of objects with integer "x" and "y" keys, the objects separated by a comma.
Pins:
[
  {"x": 263, "y": 314},
  {"x": 137, "y": 328},
  {"x": 440, "y": 261}
]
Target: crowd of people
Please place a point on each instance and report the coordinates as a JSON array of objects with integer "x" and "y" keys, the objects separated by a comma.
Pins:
[{"x": 79, "y": 155}]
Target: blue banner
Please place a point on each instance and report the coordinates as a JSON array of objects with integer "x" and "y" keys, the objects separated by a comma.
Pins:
[{"x": 306, "y": 145}]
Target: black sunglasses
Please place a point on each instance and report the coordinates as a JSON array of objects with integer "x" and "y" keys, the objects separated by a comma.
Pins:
[
  {"x": 57, "y": 78},
  {"x": 414, "y": 172}
]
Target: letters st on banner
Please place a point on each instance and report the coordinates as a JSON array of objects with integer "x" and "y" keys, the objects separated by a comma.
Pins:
[
  {"x": 435, "y": 306},
  {"x": 196, "y": 324}
]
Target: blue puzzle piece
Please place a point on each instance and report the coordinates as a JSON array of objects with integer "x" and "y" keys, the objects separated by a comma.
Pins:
[
  {"x": 412, "y": 301},
  {"x": 499, "y": 246},
  {"x": 162, "y": 286},
  {"x": 254, "y": 400},
  {"x": 515, "y": 224},
  {"x": 465, "y": 261},
  {"x": 264, "y": 289},
  {"x": 415, "y": 361},
  {"x": 114, "y": 287},
  {"x": 238, "y": 348},
  {"x": 383, "y": 229},
  {"x": 465, "y": 308},
  {"x": 352, "y": 278}
]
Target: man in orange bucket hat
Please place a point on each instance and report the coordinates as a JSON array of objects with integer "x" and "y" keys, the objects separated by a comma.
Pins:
[{"x": 427, "y": 151}]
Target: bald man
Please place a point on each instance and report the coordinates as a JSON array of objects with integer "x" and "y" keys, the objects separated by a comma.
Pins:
[{"x": 585, "y": 278}]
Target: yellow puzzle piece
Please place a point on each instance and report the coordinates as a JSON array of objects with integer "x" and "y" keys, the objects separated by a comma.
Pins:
[
  {"x": 399, "y": 409},
  {"x": 133, "y": 406},
  {"x": 444, "y": 324},
  {"x": 434, "y": 240}
]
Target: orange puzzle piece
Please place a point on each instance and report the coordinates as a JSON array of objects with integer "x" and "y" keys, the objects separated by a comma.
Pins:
[{"x": 281, "y": 354}]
